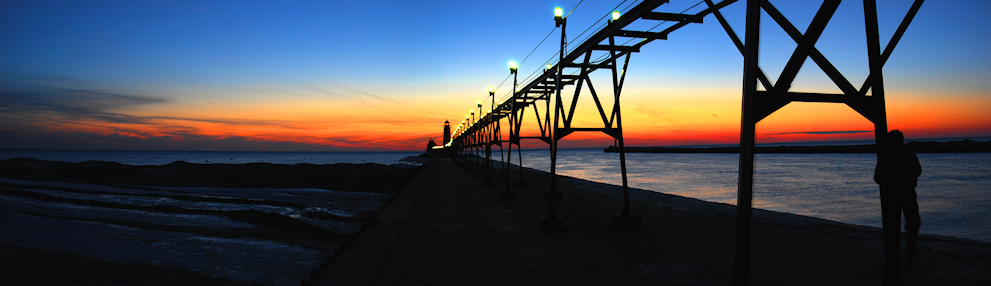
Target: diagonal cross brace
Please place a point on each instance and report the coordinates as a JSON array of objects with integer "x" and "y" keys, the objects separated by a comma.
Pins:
[
  {"x": 894, "y": 41},
  {"x": 739, "y": 44},
  {"x": 814, "y": 53},
  {"x": 805, "y": 45}
]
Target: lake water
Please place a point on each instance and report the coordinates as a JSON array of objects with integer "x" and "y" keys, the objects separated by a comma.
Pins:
[{"x": 953, "y": 193}]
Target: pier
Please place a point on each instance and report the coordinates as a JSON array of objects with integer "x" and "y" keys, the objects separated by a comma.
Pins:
[
  {"x": 446, "y": 228},
  {"x": 620, "y": 34}
]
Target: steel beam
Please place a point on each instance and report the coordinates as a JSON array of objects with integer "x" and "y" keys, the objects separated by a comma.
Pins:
[
  {"x": 645, "y": 35},
  {"x": 628, "y": 49},
  {"x": 671, "y": 17}
]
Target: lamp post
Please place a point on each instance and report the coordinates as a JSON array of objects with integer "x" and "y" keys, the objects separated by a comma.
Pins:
[
  {"x": 553, "y": 222},
  {"x": 474, "y": 139},
  {"x": 625, "y": 219},
  {"x": 464, "y": 144},
  {"x": 478, "y": 142},
  {"x": 489, "y": 138},
  {"x": 460, "y": 146},
  {"x": 492, "y": 134},
  {"x": 507, "y": 193}
]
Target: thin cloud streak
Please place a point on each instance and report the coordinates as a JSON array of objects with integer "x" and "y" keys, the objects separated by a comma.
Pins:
[{"x": 821, "y": 132}]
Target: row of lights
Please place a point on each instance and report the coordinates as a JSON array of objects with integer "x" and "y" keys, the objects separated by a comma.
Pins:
[{"x": 559, "y": 19}]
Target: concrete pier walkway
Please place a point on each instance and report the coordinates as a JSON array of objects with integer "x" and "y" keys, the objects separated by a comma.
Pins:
[{"x": 446, "y": 228}]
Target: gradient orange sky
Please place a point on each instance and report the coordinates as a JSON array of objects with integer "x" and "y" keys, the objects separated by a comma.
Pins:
[{"x": 318, "y": 76}]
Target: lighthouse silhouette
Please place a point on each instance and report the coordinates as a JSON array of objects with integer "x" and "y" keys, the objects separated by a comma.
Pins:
[{"x": 447, "y": 132}]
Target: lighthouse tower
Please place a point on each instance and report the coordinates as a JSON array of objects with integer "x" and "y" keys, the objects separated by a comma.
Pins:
[{"x": 447, "y": 132}]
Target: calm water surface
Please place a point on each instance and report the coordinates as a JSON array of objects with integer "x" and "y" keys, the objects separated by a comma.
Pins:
[{"x": 953, "y": 193}]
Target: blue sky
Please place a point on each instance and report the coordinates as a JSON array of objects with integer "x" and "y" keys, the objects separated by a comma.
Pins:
[{"x": 381, "y": 74}]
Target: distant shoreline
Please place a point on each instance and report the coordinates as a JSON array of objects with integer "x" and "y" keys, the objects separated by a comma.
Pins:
[{"x": 964, "y": 146}]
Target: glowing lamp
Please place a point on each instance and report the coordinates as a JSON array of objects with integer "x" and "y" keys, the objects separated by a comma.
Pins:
[
  {"x": 548, "y": 66},
  {"x": 512, "y": 65},
  {"x": 615, "y": 15},
  {"x": 558, "y": 12}
]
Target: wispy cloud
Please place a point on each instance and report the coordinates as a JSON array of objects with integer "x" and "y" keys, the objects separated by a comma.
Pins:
[
  {"x": 36, "y": 139},
  {"x": 821, "y": 132},
  {"x": 70, "y": 112},
  {"x": 31, "y": 104},
  {"x": 26, "y": 102}
]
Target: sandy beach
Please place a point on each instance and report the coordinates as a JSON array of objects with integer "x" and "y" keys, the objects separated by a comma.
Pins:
[{"x": 448, "y": 229}]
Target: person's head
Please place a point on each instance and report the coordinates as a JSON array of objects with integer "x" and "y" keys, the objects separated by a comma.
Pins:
[{"x": 896, "y": 139}]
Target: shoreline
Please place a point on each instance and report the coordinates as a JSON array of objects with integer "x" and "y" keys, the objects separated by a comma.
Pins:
[
  {"x": 964, "y": 146},
  {"x": 695, "y": 206},
  {"x": 208, "y": 224}
]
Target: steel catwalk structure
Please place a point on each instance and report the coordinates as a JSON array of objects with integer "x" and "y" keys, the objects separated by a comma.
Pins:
[
  {"x": 544, "y": 93},
  {"x": 759, "y": 104}
]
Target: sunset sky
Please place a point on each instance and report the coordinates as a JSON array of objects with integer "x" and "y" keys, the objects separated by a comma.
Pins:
[{"x": 385, "y": 75}]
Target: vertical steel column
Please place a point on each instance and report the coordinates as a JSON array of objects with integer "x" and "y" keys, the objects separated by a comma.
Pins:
[
  {"x": 476, "y": 142},
  {"x": 507, "y": 194},
  {"x": 626, "y": 219},
  {"x": 891, "y": 229},
  {"x": 489, "y": 139},
  {"x": 492, "y": 137},
  {"x": 748, "y": 124},
  {"x": 498, "y": 140},
  {"x": 519, "y": 146},
  {"x": 552, "y": 222}
]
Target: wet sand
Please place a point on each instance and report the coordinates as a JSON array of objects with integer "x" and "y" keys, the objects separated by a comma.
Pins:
[{"x": 100, "y": 223}]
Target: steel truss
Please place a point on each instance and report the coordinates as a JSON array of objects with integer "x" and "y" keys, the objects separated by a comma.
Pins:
[
  {"x": 574, "y": 67},
  {"x": 759, "y": 104}
]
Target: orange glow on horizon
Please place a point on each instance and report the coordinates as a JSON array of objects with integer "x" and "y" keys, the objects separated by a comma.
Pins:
[{"x": 660, "y": 119}]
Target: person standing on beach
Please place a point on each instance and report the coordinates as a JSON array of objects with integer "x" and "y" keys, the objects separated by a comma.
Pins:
[{"x": 897, "y": 175}]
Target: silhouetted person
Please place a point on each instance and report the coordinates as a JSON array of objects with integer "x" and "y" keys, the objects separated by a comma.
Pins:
[{"x": 897, "y": 173}]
